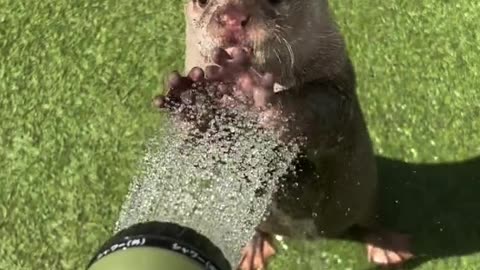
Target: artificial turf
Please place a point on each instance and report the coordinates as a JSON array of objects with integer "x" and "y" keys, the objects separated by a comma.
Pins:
[{"x": 76, "y": 79}]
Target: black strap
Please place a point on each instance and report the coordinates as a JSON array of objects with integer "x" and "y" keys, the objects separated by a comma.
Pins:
[{"x": 158, "y": 242}]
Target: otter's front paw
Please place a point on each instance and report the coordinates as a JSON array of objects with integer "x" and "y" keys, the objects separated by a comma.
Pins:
[
  {"x": 235, "y": 66},
  {"x": 181, "y": 90},
  {"x": 192, "y": 98}
]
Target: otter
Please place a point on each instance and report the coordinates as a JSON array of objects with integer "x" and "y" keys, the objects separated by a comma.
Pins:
[{"x": 300, "y": 46}]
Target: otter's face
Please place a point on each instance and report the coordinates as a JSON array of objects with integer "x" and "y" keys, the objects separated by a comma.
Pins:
[{"x": 269, "y": 28}]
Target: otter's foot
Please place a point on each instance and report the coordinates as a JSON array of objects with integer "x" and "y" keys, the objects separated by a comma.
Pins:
[
  {"x": 256, "y": 254},
  {"x": 386, "y": 248}
]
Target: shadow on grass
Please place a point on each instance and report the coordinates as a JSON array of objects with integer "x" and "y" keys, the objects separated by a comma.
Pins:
[{"x": 439, "y": 204}]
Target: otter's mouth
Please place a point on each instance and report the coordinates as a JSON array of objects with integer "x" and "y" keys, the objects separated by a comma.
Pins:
[
  {"x": 233, "y": 38},
  {"x": 230, "y": 46},
  {"x": 230, "y": 49},
  {"x": 242, "y": 39}
]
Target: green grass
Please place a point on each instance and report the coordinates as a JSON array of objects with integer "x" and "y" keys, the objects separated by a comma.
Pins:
[{"x": 75, "y": 88}]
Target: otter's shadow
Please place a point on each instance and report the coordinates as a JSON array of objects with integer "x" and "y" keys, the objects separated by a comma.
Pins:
[{"x": 438, "y": 204}]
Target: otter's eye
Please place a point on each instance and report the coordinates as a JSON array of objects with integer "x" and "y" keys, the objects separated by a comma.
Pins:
[
  {"x": 201, "y": 3},
  {"x": 275, "y": 2}
]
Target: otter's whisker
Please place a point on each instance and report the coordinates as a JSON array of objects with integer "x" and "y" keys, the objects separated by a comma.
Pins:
[
  {"x": 278, "y": 56},
  {"x": 290, "y": 52}
]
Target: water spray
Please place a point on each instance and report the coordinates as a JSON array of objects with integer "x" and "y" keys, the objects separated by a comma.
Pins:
[{"x": 212, "y": 187}]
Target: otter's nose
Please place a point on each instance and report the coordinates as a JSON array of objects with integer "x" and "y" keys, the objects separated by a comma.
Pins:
[{"x": 233, "y": 18}]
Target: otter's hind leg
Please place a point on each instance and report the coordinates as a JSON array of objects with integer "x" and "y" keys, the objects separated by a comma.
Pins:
[
  {"x": 257, "y": 252},
  {"x": 354, "y": 204}
]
